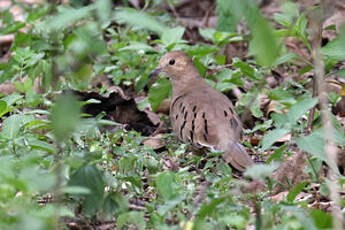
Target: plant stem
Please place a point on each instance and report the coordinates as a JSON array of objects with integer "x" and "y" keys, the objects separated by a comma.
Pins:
[{"x": 317, "y": 18}]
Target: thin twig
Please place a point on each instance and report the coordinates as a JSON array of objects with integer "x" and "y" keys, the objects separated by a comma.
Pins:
[{"x": 317, "y": 17}]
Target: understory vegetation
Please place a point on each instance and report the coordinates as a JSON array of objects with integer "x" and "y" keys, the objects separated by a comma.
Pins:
[{"x": 86, "y": 142}]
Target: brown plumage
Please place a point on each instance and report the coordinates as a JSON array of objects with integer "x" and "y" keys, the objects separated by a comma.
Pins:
[{"x": 200, "y": 114}]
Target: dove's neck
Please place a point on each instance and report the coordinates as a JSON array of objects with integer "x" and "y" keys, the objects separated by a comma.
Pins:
[{"x": 187, "y": 83}]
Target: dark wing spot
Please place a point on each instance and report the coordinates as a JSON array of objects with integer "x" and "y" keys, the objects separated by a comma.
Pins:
[
  {"x": 176, "y": 116},
  {"x": 194, "y": 108},
  {"x": 185, "y": 115},
  {"x": 184, "y": 107},
  {"x": 178, "y": 98},
  {"x": 206, "y": 129},
  {"x": 231, "y": 110},
  {"x": 203, "y": 115},
  {"x": 205, "y": 137},
  {"x": 191, "y": 136},
  {"x": 234, "y": 122},
  {"x": 181, "y": 129},
  {"x": 195, "y": 115},
  {"x": 198, "y": 145},
  {"x": 181, "y": 105},
  {"x": 193, "y": 125},
  {"x": 225, "y": 113}
]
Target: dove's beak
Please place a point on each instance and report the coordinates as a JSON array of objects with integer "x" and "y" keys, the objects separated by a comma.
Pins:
[{"x": 155, "y": 72}]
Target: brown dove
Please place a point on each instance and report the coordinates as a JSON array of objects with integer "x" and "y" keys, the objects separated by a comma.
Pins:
[{"x": 200, "y": 114}]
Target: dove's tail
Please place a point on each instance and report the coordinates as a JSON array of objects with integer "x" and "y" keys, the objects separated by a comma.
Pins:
[{"x": 237, "y": 156}]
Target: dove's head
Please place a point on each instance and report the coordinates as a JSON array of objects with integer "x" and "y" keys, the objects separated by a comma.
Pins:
[{"x": 177, "y": 65}]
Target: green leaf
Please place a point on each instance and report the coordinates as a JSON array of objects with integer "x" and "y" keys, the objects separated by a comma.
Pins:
[
  {"x": 139, "y": 19},
  {"x": 300, "y": 108},
  {"x": 11, "y": 125},
  {"x": 272, "y": 136},
  {"x": 247, "y": 70},
  {"x": 285, "y": 58},
  {"x": 3, "y": 108},
  {"x": 335, "y": 48},
  {"x": 65, "y": 116},
  {"x": 207, "y": 210},
  {"x": 277, "y": 155},
  {"x": 158, "y": 92},
  {"x": 322, "y": 220},
  {"x": 226, "y": 20},
  {"x": 76, "y": 190},
  {"x": 166, "y": 185},
  {"x": 42, "y": 145},
  {"x": 133, "y": 217},
  {"x": 295, "y": 191},
  {"x": 169, "y": 204},
  {"x": 172, "y": 36},
  {"x": 14, "y": 27},
  {"x": 104, "y": 9},
  {"x": 65, "y": 17},
  {"x": 314, "y": 144},
  {"x": 138, "y": 46},
  {"x": 115, "y": 203},
  {"x": 340, "y": 73},
  {"x": 264, "y": 45},
  {"x": 91, "y": 178},
  {"x": 11, "y": 99}
]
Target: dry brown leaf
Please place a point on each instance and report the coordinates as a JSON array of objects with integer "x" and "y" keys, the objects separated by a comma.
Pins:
[{"x": 155, "y": 142}]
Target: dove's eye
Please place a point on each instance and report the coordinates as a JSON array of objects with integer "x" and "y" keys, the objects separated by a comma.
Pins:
[{"x": 172, "y": 62}]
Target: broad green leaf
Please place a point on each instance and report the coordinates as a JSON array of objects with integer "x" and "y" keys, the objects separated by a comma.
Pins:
[
  {"x": 166, "y": 185},
  {"x": 133, "y": 217},
  {"x": 115, "y": 203},
  {"x": 65, "y": 116},
  {"x": 172, "y": 36},
  {"x": 158, "y": 92},
  {"x": 233, "y": 220},
  {"x": 76, "y": 190},
  {"x": 314, "y": 144},
  {"x": 277, "y": 155},
  {"x": 280, "y": 120},
  {"x": 301, "y": 215},
  {"x": 340, "y": 73},
  {"x": 14, "y": 27},
  {"x": 3, "y": 108},
  {"x": 12, "y": 125},
  {"x": 104, "y": 9},
  {"x": 285, "y": 58},
  {"x": 226, "y": 20},
  {"x": 169, "y": 204},
  {"x": 91, "y": 178},
  {"x": 295, "y": 191},
  {"x": 207, "y": 210},
  {"x": 300, "y": 108},
  {"x": 138, "y": 47},
  {"x": 207, "y": 34},
  {"x": 42, "y": 145},
  {"x": 12, "y": 98},
  {"x": 322, "y": 219},
  {"x": 272, "y": 136},
  {"x": 65, "y": 17},
  {"x": 140, "y": 20},
  {"x": 335, "y": 48},
  {"x": 264, "y": 45},
  {"x": 246, "y": 69},
  {"x": 283, "y": 19}
]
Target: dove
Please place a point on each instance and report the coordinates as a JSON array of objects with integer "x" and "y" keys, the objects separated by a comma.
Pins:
[{"x": 201, "y": 115}]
